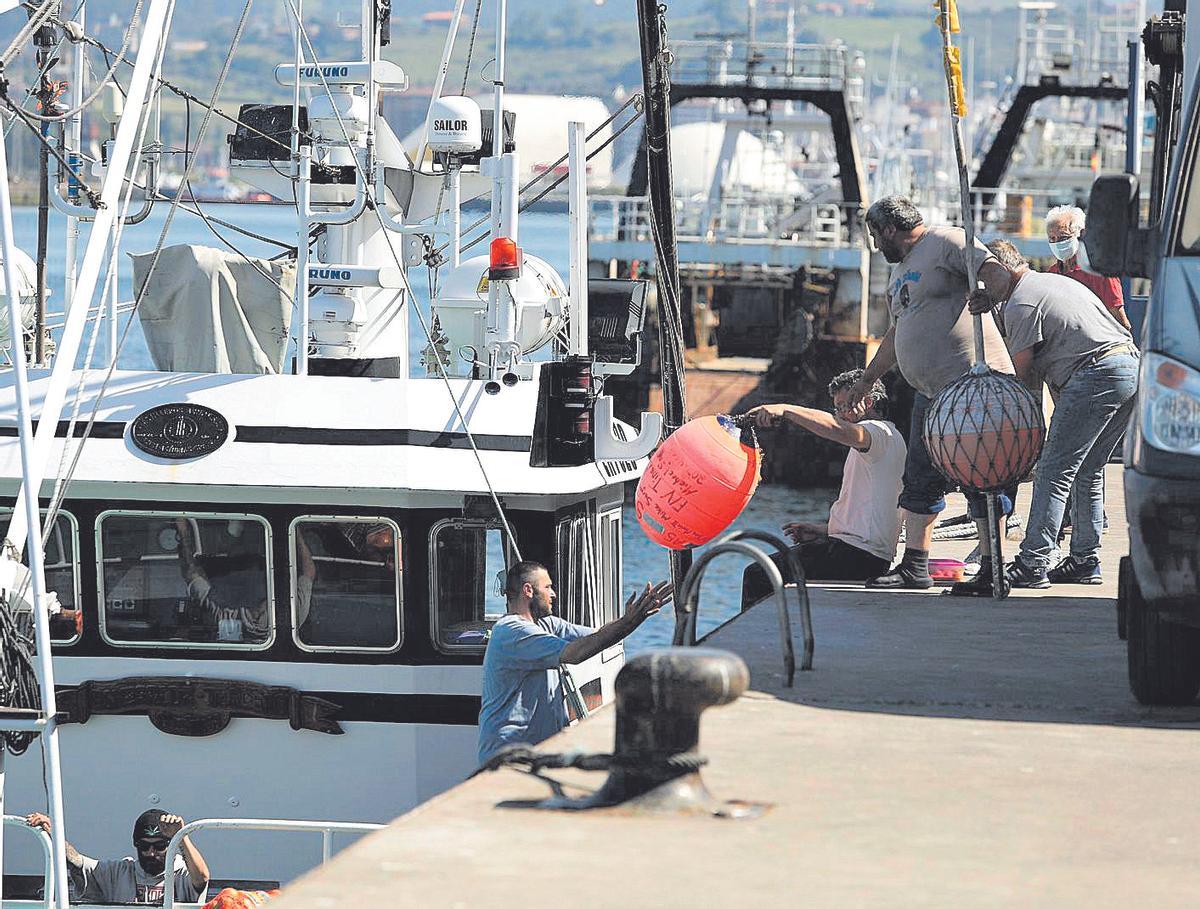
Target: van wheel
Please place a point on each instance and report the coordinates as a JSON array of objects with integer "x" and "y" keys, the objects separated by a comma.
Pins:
[
  {"x": 1124, "y": 581},
  {"x": 1164, "y": 657}
]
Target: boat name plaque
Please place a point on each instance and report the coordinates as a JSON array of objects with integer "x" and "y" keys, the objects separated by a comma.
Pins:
[
  {"x": 196, "y": 707},
  {"x": 179, "y": 431}
]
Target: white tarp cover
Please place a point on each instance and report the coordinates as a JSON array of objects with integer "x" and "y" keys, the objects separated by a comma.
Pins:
[{"x": 207, "y": 310}]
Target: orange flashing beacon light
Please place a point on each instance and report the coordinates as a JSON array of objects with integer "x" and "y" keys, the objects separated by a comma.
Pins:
[{"x": 504, "y": 260}]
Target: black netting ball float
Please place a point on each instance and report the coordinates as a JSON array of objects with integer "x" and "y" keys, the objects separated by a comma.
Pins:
[{"x": 984, "y": 431}]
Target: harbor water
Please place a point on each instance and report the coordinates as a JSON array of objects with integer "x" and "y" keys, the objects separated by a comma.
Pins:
[{"x": 542, "y": 234}]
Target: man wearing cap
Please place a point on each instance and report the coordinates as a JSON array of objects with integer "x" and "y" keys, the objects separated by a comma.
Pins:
[{"x": 141, "y": 879}]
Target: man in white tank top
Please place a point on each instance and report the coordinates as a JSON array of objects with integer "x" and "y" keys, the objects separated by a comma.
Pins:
[{"x": 859, "y": 540}]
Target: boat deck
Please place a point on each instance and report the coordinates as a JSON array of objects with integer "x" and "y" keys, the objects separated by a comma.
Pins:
[{"x": 941, "y": 752}]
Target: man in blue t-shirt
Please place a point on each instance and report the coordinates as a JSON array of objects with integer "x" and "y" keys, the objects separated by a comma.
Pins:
[{"x": 522, "y": 685}]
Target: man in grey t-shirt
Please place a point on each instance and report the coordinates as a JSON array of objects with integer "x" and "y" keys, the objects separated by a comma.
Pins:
[
  {"x": 1057, "y": 328},
  {"x": 932, "y": 341},
  {"x": 522, "y": 701},
  {"x": 141, "y": 879}
]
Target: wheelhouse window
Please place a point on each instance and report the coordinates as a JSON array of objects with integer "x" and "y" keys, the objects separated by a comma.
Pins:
[
  {"x": 468, "y": 564},
  {"x": 346, "y": 590},
  {"x": 589, "y": 568},
  {"x": 61, "y": 563},
  {"x": 185, "y": 579}
]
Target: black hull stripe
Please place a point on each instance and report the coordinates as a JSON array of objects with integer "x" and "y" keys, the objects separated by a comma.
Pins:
[
  {"x": 304, "y": 435},
  {"x": 357, "y": 707}
]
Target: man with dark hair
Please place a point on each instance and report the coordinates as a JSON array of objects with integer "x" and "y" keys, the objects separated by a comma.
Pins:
[
  {"x": 522, "y": 683},
  {"x": 1057, "y": 329},
  {"x": 859, "y": 540},
  {"x": 931, "y": 339},
  {"x": 140, "y": 880}
]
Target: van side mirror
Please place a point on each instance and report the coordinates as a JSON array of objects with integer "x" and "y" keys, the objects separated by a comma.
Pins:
[{"x": 1115, "y": 244}]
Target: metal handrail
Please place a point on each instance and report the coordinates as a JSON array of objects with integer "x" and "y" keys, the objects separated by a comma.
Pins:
[
  {"x": 14, "y": 820},
  {"x": 688, "y": 600},
  {"x": 325, "y": 828},
  {"x": 801, "y": 582}
]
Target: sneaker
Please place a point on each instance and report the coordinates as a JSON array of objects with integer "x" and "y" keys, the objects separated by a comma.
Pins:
[
  {"x": 901, "y": 578},
  {"x": 1021, "y": 575},
  {"x": 1072, "y": 570},
  {"x": 978, "y": 586}
]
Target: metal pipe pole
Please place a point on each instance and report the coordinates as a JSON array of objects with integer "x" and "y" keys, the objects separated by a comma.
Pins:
[
  {"x": 957, "y": 95},
  {"x": 656, "y": 88},
  {"x": 577, "y": 225},
  {"x": 158, "y": 16},
  {"x": 73, "y": 139},
  {"x": 498, "y": 114},
  {"x": 1135, "y": 119},
  {"x": 29, "y": 480}
]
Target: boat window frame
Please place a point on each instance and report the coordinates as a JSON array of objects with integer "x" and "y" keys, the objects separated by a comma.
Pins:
[
  {"x": 76, "y": 576},
  {"x": 611, "y": 584},
  {"x": 269, "y": 555},
  {"x": 293, "y": 577},
  {"x": 434, "y": 618}
]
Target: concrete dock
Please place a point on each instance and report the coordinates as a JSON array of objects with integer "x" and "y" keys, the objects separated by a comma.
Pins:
[{"x": 942, "y": 752}]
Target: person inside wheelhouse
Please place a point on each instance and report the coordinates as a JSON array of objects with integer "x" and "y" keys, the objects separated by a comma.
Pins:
[
  {"x": 347, "y": 582},
  {"x": 185, "y": 579}
]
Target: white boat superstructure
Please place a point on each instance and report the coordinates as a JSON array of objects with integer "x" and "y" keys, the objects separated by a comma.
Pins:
[{"x": 276, "y": 588}]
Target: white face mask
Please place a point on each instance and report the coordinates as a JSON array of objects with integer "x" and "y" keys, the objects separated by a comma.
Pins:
[{"x": 1065, "y": 249}]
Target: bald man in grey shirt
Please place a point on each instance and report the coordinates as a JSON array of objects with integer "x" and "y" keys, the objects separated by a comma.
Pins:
[{"x": 1057, "y": 329}]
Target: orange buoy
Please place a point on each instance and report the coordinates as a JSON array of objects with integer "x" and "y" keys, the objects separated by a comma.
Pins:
[
  {"x": 697, "y": 482},
  {"x": 231, "y": 898}
]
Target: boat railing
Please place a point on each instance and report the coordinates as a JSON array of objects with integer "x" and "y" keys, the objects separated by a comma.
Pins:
[
  {"x": 766, "y": 64},
  {"x": 43, "y": 838},
  {"x": 766, "y": 218},
  {"x": 327, "y": 829}
]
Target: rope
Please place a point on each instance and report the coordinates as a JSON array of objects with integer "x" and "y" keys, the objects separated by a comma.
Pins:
[
  {"x": 37, "y": 17},
  {"x": 471, "y": 48},
  {"x": 376, "y": 208},
  {"x": 18, "y": 678},
  {"x": 103, "y": 81},
  {"x": 64, "y": 476},
  {"x": 237, "y": 37}
]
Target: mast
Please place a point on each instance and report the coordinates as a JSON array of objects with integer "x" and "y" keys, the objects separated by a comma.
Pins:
[{"x": 656, "y": 86}]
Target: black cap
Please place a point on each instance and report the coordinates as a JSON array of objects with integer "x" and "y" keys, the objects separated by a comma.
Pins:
[{"x": 148, "y": 826}]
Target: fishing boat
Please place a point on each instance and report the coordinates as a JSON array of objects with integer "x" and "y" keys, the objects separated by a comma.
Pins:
[{"x": 274, "y": 568}]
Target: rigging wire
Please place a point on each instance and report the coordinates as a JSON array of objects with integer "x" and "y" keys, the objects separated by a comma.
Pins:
[
  {"x": 175, "y": 204},
  {"x": 470, "y": 47},
  {"x": 120, "y": 58}
]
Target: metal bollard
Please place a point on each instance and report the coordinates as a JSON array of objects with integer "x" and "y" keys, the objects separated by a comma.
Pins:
[{"x": 660, "y": 696}]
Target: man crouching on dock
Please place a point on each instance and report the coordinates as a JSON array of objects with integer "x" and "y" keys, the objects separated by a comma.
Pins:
[
  {"x": 859, "y": 540},
  {"x": 522, "y": 681}
]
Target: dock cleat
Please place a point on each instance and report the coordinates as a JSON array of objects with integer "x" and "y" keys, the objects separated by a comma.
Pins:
[
  {"x": 1073, "y": 570},
  {"x": 1021, "y": 575}
]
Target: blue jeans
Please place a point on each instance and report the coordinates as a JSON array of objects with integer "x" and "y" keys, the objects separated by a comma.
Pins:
[
  {"x": 1092, "y": 411},
  {"x": 925, "y": 487}
]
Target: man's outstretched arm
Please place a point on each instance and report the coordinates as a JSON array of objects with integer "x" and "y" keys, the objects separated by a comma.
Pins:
[
  {"x": 818, "y": 422},
  {"x": 638, "y": 608}
]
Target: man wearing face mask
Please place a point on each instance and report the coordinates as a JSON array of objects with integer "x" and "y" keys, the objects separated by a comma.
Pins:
[
  {"x": 1064, "y": 227},
  {"x": 140, "y": 880}
]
